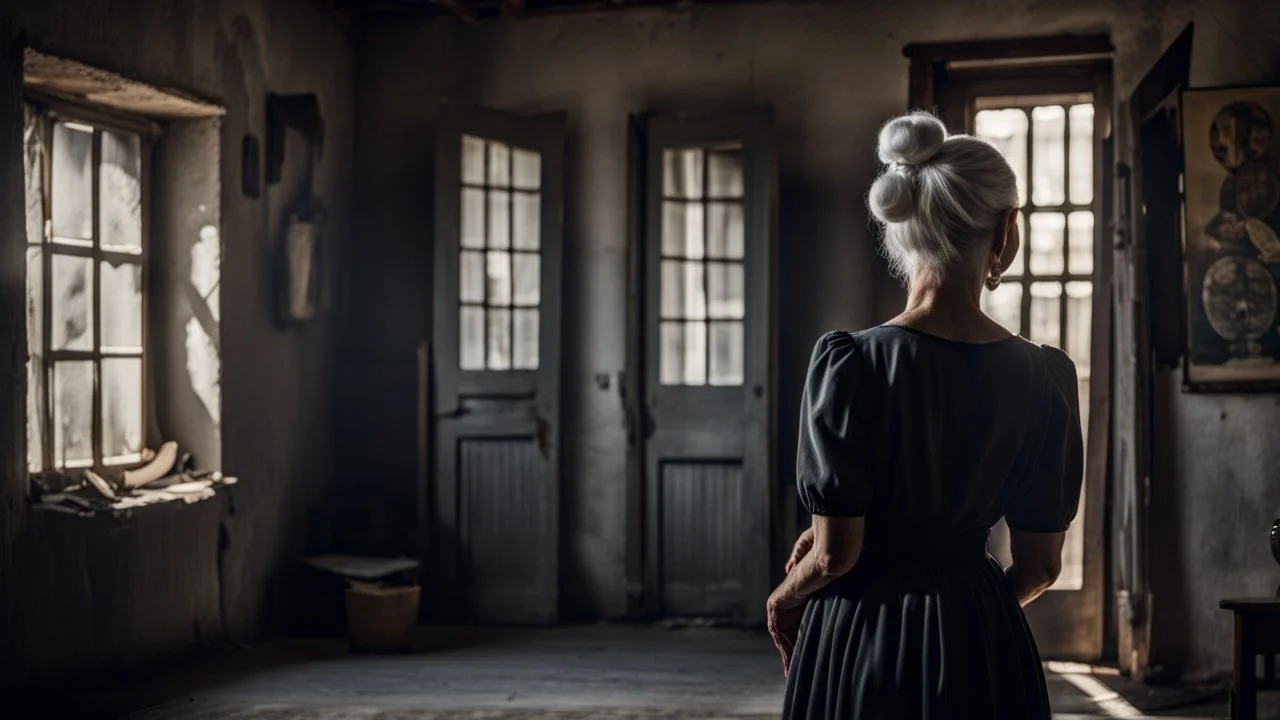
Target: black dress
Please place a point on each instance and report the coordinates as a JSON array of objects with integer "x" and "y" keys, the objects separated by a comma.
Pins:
[{"x": 932, "y": 441}]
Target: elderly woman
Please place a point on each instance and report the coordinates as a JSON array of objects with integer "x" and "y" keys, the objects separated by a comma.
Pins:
[{"x": 916, "y": 437}]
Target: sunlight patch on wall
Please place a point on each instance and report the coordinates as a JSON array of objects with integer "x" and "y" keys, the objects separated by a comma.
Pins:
[
  {"x": 204, "y": 367},
  {"x": 206, "y": 268}
]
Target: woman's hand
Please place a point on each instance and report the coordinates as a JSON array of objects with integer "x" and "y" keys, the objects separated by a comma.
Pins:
[
  {"x": 804, "y": 544},
  {"x": 784, "y": 627}
]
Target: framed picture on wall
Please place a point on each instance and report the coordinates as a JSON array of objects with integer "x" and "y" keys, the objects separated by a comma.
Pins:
[{"x": 1231, "y": 258}]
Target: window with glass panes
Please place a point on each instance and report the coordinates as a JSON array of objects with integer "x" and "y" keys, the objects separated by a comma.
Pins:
[
  {"x": 703, "y": 304},
  {"x": 499, "y": 290},
  {"x": 1046, "y": 295},
  {"x": 85, "y": 263}
]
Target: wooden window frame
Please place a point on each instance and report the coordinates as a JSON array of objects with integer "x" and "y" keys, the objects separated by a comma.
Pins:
[{"x": 49, "y": 112}]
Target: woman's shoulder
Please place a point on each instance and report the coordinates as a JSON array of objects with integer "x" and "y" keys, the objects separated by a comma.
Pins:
[{"x": 835, "y": 351}]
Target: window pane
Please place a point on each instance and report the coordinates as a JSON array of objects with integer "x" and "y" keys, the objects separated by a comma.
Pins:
[
  {"x": 121, "y": 305},
  {"x": 35, "y": 300},
  {"x": 1004, "y": 305},
  {"x": 35, "y": 359},
  {"x": 72, "y": 311},
  {"x": 1046, "y": 313},
  {"x": 472, "y": 218},
  {"x": 499, "y": 219},
  {"x": 1046, "y": 243},
  {"x": 726, "y": 353},
  {"x": 526, "y": 340},
  {"x": 471, "y": 338},
  {"x": 499, "y": 278},
  {"x": 683, "y": 353},
  {"x": 682, "y": 229},
  {"x": 1079, "y": 317},
  {"x": 1007, "y": 131},
  {"x": 471, "y": 276},
  {"x": 120, "y": 192},
  {"x": 33, "y": 171},
  {"x": 72, "y": 201},
  {"x": 499, "y": 343},
  {"x": 1048, "y": 154},
  {"x": 726, "y": 297},
  {"x": 472, "y": 160},
  {"x": 499, "y": 165},
  {"x": 121, "y": 409},
  {"x": 73, "y": 413},
  {"x": 724, "y": 174},
  {"x": 526, "y": 271},
  {"x": 725, "y": 230},
  {"x": 525, "y": 228},
  {"x": 1081, "y": 154},
  {"x": 1080, "y": 242},
  {"x": 682, "y": 173},
  {"x": 683, "y": 291},
  {"x": 526, "y": 167}
]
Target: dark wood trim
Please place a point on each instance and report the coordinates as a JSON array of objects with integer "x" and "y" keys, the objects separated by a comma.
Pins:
[
  {"x": 1167, "y": 76},
  {"x": 1053, "y": 46},
  {"x": 91, "y": 114}
]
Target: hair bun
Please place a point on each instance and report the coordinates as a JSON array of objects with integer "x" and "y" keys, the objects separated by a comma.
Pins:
[
  {"x": 891, "y": 198},
  {"x": 911, "y": 139}
]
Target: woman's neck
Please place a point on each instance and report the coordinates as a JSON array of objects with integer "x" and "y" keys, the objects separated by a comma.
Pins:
[{"x": 949, "y": 309}]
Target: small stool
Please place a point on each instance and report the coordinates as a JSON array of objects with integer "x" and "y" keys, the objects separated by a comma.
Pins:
[{"x": 1257, "y": 633}]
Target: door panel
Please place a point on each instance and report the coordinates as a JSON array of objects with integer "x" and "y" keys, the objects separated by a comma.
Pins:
[
  {"x": 709, "y": 288},
  {"x": 499, "y": 227}
]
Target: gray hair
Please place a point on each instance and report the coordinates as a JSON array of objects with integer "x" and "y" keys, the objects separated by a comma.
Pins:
[{"x": 941, "y": 197}]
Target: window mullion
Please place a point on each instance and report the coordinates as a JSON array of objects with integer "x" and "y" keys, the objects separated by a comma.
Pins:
[
  {"x": 1066, "y": 230},
  {"x": 1026, "y": 223},
  {"x": 96, "y": 177},
  {"x": 46, "y": 268}
]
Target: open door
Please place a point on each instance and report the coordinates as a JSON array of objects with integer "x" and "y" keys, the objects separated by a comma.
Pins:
[
  {"x": 1052, "y": 119},
  {"x": 496, "y": 360},
  {"x": 708, "y": 333}
]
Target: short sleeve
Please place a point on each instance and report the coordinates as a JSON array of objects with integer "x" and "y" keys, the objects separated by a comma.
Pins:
[
  {"x": 1050, "y": 495},
  {"x": 829, "y": 467}
]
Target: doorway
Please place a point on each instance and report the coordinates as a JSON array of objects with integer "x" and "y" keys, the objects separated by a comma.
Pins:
[
  {"x": 705, "y": 328},
  {"x": 1046, "y": 105},
  {"x": 494, "y": 550}
]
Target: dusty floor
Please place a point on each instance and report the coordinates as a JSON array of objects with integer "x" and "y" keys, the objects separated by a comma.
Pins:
[{"x": 576, "y": 673}]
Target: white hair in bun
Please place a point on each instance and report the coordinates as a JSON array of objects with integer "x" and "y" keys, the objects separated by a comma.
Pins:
[{"x": 941, "y": 197}]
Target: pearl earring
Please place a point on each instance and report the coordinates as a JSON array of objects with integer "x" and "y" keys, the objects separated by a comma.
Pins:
[{"x": 993, "y": 280}]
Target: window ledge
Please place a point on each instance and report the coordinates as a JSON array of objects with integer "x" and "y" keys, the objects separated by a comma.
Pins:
[{"x": 87, "y": 501}]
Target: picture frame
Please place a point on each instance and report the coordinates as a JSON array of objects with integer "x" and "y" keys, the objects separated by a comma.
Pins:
[{"x": 1231, "y": 239}]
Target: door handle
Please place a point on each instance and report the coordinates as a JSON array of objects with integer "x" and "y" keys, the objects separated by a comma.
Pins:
[
  {"x": 543, "y": 430},
  {"x": 454, "y": 413}
]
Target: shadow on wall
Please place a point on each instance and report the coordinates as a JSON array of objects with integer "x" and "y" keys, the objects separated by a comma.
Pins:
[{"x": 186, "y": 267}]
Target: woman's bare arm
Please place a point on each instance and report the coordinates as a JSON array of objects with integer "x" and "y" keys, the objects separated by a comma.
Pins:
[
  {"x": 1037, "y": 562},
  {"x": 837, "y": 543}
]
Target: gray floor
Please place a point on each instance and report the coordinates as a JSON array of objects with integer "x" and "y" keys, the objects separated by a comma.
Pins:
[{"x": 576, "y": 673}]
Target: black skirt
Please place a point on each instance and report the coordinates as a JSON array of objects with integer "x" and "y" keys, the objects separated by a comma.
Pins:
[{"x": 918, "y": 634}]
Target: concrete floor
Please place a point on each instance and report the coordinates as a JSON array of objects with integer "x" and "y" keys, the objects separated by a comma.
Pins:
[{"x": 575, "y": 673}]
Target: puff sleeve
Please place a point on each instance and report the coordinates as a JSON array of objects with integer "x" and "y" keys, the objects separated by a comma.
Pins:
[
  {"x": 830, "y": 473},
  {"x": 1050, "y": 494}
]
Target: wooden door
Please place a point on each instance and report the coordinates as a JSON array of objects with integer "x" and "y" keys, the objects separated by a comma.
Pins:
[
  {"x": 708, "y": 332},
  {"x": 496, "y": 359}
]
